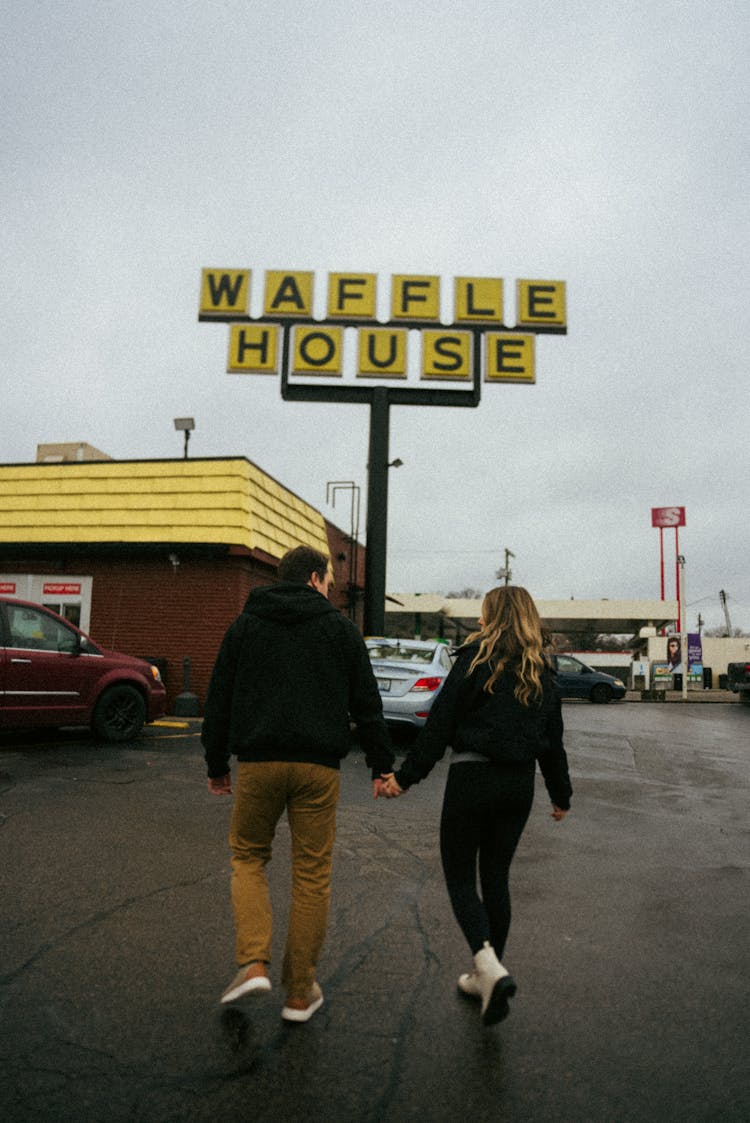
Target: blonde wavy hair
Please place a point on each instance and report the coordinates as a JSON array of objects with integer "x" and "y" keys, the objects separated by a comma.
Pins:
[{"x": 510, "y": 635}]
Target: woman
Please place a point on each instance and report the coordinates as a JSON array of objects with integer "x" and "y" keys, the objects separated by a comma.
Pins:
[
  {"x": 500, "y": 711},
  {"x": 674, "y": 654}
]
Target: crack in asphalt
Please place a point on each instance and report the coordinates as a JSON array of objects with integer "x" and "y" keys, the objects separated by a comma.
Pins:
[{"x": 92, "y": 921}]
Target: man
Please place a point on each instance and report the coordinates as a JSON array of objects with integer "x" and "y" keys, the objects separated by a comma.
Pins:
[{"x": 290, "y": 673}]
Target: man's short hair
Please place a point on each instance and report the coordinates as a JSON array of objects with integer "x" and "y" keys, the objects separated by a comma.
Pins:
[{"x": 299, "y": 564}]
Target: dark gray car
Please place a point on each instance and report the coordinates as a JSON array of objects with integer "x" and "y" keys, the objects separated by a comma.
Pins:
[{"x": 576, "y": 680}]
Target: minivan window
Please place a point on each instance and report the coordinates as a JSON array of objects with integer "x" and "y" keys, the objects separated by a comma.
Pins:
[{"x": 36, "y": 631}]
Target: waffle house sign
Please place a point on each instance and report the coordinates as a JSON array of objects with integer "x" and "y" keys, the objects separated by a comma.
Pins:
[
  {"x": 315, "y": 355},
  {"x": 476, "y": 345}
]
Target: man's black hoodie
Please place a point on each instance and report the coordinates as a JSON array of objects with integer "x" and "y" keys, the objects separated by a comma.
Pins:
[{"x": 290, "y": 674}]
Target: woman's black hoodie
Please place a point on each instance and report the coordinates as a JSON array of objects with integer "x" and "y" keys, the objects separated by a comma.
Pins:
[{"x": 495, "y": 725}]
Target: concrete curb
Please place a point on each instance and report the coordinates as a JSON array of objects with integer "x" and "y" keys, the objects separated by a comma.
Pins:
[{"x": 715, "y": 696}]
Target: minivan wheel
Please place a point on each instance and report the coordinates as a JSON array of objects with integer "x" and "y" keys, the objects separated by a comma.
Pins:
[
  {"x": 601, "y": 693},
  {"x": 120, "y": 713}
]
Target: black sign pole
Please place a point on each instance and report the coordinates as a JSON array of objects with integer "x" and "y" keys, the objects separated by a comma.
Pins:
[
  {"x": 379, "y": 399},
  {"x": 377, "y": 514}
]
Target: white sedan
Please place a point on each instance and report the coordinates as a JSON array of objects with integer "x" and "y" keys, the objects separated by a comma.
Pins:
[{"x": 410, "y": 674}]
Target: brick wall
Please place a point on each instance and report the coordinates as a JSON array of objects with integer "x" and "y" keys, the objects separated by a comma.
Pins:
[{"x": 154, "y": 609}]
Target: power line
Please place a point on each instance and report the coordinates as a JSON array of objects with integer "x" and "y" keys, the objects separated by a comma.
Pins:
[{"x": 452, "y": 552}]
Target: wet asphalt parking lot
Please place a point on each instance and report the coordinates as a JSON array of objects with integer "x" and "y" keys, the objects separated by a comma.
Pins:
[{"x": 629, "y": 942}]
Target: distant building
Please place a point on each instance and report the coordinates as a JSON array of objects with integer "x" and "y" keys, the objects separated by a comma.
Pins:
[{"x": 67, "y": 453}]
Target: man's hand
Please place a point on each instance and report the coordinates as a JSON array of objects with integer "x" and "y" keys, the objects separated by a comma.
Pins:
[
  {"x": 387, "y": 787},
  {"x": 220, "y": 785},
  {"x": 557, "y": 813}
]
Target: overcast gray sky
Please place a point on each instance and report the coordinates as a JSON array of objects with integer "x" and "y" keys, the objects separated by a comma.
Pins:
[{"x": 604, "y": 145}]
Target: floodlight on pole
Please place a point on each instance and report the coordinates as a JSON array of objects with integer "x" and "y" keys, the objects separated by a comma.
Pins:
[{"x": 185, "y": 425}]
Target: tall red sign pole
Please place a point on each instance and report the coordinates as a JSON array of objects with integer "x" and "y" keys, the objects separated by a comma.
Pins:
[
  {"x": 670, "y": 516},
  {"x": 678, "y": 591}
]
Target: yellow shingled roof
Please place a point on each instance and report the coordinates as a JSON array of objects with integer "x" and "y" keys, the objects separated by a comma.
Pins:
[{"x": 223, "y": 501}]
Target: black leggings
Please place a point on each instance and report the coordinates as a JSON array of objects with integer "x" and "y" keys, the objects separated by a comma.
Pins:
[{"x": 485, "y": 809}]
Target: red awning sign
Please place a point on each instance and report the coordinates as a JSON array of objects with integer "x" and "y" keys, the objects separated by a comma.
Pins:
[{"x": 61, "y": 589}]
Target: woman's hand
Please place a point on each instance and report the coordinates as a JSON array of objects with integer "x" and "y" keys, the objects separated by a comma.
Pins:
[
  {"x": 557, "y": 813},
  {"x": 389, "y": 787}
]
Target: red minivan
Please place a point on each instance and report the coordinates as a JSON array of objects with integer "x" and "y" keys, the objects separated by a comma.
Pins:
[{"x": 51, "y": 674}]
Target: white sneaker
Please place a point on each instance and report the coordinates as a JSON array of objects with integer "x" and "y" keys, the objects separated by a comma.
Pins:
[
  {"x": 495, "y": 985},
  {"x": 250, "y": 979},
  {"x": 302, "y": 1009}
]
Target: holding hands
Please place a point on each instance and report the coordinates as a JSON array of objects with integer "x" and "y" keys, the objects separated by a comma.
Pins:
[{"x": 386, "y": 787}]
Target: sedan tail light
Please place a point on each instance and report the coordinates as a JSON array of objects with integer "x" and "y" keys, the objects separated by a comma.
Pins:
[{"x": 427, "y": 684}]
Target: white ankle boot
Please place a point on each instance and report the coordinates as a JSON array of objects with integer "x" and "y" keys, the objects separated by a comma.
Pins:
[
  {"x": 494, "y": 985},
  {"x": 469, "y": 985}
]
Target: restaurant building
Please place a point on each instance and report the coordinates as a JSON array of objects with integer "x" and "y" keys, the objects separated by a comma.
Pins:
[{"x": 156, "y": 557}]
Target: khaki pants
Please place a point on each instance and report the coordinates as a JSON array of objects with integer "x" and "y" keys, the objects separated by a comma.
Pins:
[{"x": 309, "y": 793}]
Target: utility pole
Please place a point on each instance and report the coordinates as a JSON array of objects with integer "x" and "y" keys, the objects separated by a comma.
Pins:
[
  {"x": 723, "y": 600},
  {"x": 505, "y": 572},
  {"x": 508, "y": 573}
]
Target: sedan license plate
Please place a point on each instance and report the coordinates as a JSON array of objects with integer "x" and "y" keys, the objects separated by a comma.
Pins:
[{"x": 384, "y": 685}]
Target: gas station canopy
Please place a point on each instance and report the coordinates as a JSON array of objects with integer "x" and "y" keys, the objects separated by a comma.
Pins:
[{"x": 613, "y": 617}]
